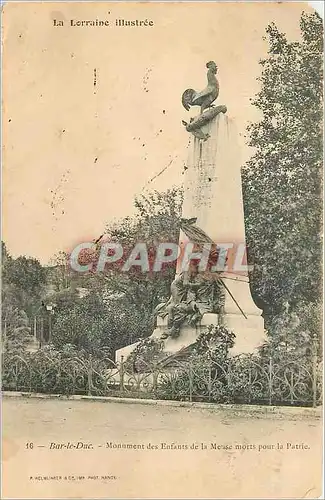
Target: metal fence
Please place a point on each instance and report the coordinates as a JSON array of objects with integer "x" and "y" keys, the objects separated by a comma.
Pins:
[{"x": 250, "y": 379}]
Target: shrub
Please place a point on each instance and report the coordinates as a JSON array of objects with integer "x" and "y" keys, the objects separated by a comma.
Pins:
[
  {"x": 148, "y": 352},
  {"x": 204, "y": 375}
]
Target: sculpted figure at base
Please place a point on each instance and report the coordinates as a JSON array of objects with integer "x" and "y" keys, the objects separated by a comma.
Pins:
[{"x": 192, "y": 295}]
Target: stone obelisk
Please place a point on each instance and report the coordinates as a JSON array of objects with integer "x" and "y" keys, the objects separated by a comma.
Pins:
[
  {"x": 213, "y": 195},
  {"x": 213, "y": 199}
]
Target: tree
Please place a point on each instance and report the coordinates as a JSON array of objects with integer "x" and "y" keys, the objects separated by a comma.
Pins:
[
  {"x": 136, "y": 294},
  {"x": 283, "y": 179},
  {"x": 95, "y": 325},
  {"x": 16, "y": 330},
  {"x": 58, "y": 273},
  {"x": 157, "y": 220},
  {"x": 15, "y": 325},
  {"x": 119, "y": 307},
  {"x": 24, "y": 280}
]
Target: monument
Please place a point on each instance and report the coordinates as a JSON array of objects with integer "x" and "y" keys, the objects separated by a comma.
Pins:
[{"x": 212, "y": 214}]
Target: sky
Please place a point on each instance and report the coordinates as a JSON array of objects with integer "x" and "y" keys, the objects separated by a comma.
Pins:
[{"x": 92, "y": 114}]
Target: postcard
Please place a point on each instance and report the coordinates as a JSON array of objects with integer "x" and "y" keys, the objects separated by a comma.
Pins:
[{"x": 162, "y": 302}]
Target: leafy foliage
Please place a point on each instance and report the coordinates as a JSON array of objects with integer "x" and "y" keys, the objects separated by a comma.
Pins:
[
  {"x": 48, "y": 371},
  {"x": 283, "y": 180},
  {"x": 294, "y": 332},
  {"x": 137, "y": 293},
  {"x": 157, "y": 220},
  {"x": 214, "y": 343},
  {"x": 16, "y": 330},
  {"x": 146, "y": 353},
  {"x": 85, "y": 325},
  {"x": 58, "y": 272},
  {"x": 23, "y": 281},
  {"x": 208, "y": 362},
  {"x": 275, "y": 375}
]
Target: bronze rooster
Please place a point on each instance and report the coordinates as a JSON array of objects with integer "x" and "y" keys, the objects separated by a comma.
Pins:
[{"x": 206, "y": 97}]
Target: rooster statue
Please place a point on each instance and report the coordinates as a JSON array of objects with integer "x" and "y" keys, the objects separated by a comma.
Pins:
[{"x": 206, "y": 97}]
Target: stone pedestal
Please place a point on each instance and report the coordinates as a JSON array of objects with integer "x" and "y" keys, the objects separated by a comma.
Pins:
[
  {"x": 187, "y": 336},
  {"x": 212, "y": 183},
  {"x": 213, "y": 195}
]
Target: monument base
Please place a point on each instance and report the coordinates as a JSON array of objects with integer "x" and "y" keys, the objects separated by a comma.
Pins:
[
  {"x": 249, "y": 334},
  {"x": 187, "y": 336}
]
